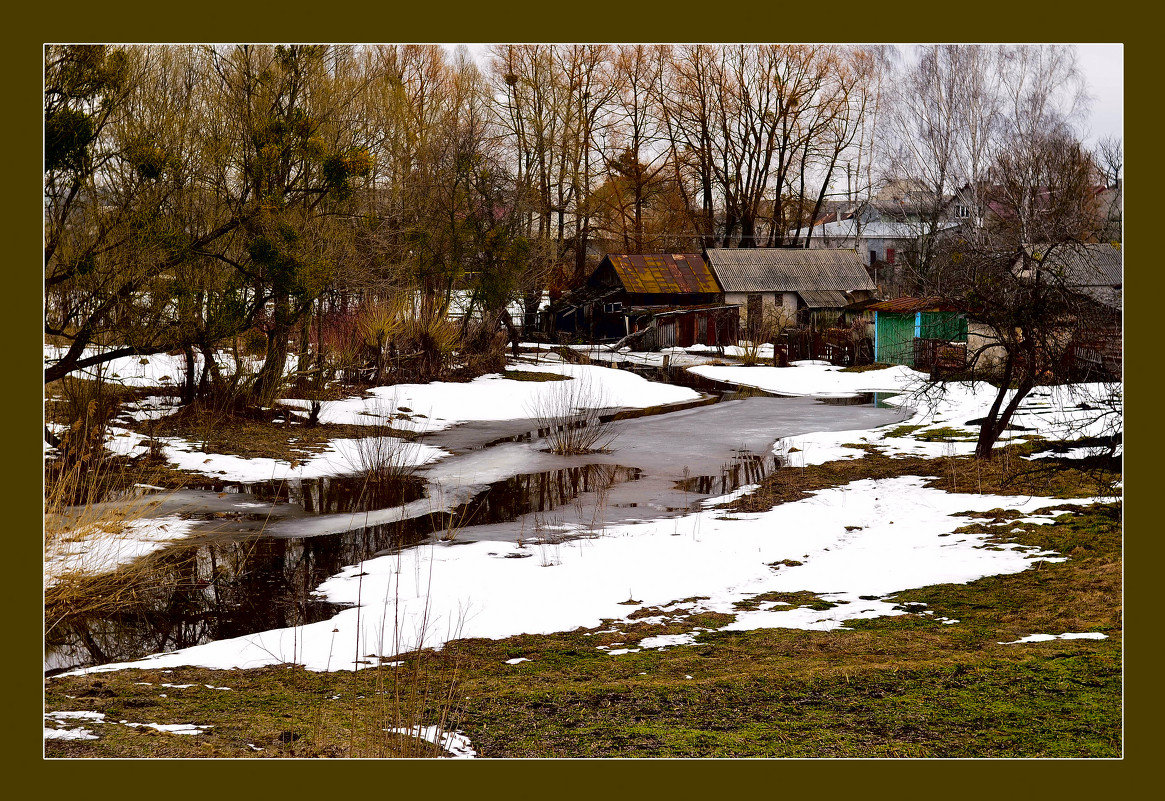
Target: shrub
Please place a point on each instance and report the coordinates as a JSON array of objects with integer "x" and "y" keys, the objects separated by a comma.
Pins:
[{"x": 570, "y": 417}]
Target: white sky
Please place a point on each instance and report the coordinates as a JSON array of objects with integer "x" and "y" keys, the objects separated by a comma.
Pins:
[{"x": 1103, "y": 68}]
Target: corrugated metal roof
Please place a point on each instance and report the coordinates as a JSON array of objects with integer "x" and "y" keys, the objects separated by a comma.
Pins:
[
  {"x": 655, "y": 273},
  {"x": 788, "y": 270},
  {"x": 1096, "y": 269},
  {"x": 823, "y": 298},
  {"x": 1098, "y": 264},
  {"x": 912, "y": 305}
]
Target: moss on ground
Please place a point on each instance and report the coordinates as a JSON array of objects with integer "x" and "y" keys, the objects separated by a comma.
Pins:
[{"x": 894, "y": 686}]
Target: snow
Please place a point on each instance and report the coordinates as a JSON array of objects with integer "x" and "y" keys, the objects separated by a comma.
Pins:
[
  {"x": 440, "y": 405},
  {"x": 814, "y": 378},
  {"x": 438, "y": 592},
  {"x": 96, "y": 717},
  {"x": 1090, "y": 635},
  {"x": 517, "y": 661},
  {"x": 101, "y": 548},
  {"x": 68, "y": 734},
  {"x": 668, "y": 640},
  {"x": 339, "y": 456},
  {"x": 155, "y": 370},
  {"x": 456, "y": 743},
  {"x": 172, "y": 728},
  {"x": 60, "y": 718}
]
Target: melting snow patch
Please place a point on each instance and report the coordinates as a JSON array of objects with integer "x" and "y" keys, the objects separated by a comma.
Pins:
[
  {"x": 172, "y": 728},
  {"x": 60, "y": 733},
  {"x": 668, "y": 640},
  {"x": 69, "y": 734},
  {"x": 1090, "y": 635},
  {"x": 92, "y": 549},
  {"x": 96, "y": 717},
  {"x": 455, "y": 743},
  {"x": 516, "y": 661}
]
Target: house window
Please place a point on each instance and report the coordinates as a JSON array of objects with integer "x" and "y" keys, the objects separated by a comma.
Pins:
[
  {"x": 962, "y": 212},
  {"x": 889, "y": 255},
  {"x": 613, "y": 308},
  {"x": 873, "y": 256}
]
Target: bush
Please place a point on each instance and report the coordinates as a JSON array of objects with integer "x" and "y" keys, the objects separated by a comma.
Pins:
[{"x": 569, "y": 415}]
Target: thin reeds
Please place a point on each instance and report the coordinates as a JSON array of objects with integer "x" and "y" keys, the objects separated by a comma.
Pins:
[{"x": 570, "y": 417}]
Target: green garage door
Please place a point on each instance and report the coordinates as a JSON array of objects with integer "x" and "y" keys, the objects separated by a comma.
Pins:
[{"x": 895, "y": 338}]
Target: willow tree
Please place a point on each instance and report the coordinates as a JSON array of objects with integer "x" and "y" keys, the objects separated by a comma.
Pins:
[
  {"x": 292, "y": 161},
  {"x": 116, "y": 127}
]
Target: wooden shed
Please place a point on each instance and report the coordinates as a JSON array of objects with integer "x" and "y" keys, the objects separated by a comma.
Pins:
[
  {"x": 626, "y": 290},
  {"x": 919, "y": 333}
]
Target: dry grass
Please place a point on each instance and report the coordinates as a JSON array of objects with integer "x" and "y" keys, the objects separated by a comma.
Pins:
[{"x": 570, "y": 417}]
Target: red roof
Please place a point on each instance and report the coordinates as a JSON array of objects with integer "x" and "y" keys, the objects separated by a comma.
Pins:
[
  {"x": 654, "y": 273},
  {"x": 912, "y": 305}
]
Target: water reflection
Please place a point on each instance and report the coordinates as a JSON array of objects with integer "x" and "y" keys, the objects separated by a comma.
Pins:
[
  {"x": 875, "y": 399},
  {"x": 745, "y": 468},
  {"x": 227, "y": 586},
  {"x": 331, "y": 495}
]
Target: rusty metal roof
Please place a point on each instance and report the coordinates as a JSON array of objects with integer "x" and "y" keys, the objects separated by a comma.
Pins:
[
  {"x": 789, "y": 269},
  {"x": 655, "y": 273},
  {"x": 912, "y": 305}
]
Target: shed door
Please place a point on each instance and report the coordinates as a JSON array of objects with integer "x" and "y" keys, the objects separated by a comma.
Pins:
[
  {"x": 702, "y": 329},
  {"x": 896, "y": 338},
  {"x": 755, "y": 312},
  {"x": 947, "y": 326},
  {"x": 667, "y": 333}
]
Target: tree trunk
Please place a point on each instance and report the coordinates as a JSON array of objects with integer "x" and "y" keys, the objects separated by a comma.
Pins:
[
  {"x": 188, "y": 384},
  {"x": 996, "y": 422},
  {"x": 271, "y": 373}
]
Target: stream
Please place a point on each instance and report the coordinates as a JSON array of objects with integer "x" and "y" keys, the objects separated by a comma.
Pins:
[{"x": 259, "y": 549}]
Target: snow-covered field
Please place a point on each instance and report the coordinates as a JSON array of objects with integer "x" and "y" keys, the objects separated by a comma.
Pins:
[
  {"x": 1065, "y": 412},
  {"x": 441, "y": 405},
  {"x": 871, "y": 538},
  {"x": 339, "y": 457}
]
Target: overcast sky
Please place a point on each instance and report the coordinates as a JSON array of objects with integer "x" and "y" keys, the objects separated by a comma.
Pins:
[{"x": 1103, "y": 67}]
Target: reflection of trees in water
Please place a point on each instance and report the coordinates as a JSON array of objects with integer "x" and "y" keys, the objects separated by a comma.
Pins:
[
  {"x": 224, "y": 588},
  {"x": 337, "y": 494},
  {"x": 215, "y": 591},
  {"x": 745, "y": 468},
  {"x": 544, "y": 492}
]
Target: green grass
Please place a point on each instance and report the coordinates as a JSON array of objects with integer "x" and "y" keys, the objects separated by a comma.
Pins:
[{"x": 899, "y": 686}]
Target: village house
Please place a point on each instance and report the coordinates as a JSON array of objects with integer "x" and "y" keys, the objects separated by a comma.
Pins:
[
  {"x": 886, "y": 230},
  {"x": 792, "y": 285},
  {"x": 675, "y": 294},
  {"x": 1095, "y": 272}
]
